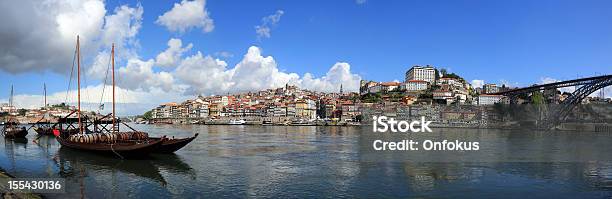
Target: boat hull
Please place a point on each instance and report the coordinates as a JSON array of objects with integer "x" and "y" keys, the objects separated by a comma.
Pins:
[
  {"x": 44, "y": 131},
  {"x": 16, "y": 133},
  {"x": 172, "y": 145},
  {"x": 126, "y": 149}
]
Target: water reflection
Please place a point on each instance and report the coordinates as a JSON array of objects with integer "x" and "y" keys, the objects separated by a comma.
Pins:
[
  {"x": 71, "y": 162},
  {"x": 318, "y": 162}
]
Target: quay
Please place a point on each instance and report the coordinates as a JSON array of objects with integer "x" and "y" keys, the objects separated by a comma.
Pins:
[{"x": 6, "y": 194}]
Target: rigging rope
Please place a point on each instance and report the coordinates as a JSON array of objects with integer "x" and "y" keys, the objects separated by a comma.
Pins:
[
  {"x": 104, "y": 85},
  {"x": 70, "y": 80}
]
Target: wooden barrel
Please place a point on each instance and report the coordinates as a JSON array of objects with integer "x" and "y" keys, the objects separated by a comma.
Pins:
[
  {"x": 103, "y": 137},
  {"x": 140, "y": 135},
  {"x": 87, "y": 138},
  {"x": 97, "y": 137}
]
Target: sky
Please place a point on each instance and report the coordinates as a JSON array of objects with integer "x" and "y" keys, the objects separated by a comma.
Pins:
[{"x": 175, "y": 50}]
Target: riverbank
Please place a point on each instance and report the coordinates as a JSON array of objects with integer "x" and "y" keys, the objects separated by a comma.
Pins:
[{"x": 5, "y": 194}]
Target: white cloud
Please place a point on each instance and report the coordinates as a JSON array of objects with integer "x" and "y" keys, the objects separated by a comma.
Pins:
[
  {"x": 139, "y": 75},
  {"x": 186, "y": 15},
  {"x": 172, "y": 55},
  {"x": 207, "y": 75},
  {"x": 360, "y": 1},
  {"x": 101, "y": 64},
  {"x": 45, "y": 39},
  {"x": 41, "y": 36},
  {"x": 338, "y": 74},
  {"x": 264, "y": 30},
  {"x": 204, "y": 74},
  {"x": 121, "y": 29},
  {"x": 477, "y": 83}
]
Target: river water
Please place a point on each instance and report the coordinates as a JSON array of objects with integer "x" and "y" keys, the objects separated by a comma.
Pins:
[{"x": 317, "y": 162}]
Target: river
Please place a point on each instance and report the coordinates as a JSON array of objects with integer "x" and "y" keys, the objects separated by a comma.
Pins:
[{"x": 323, "y": 162}]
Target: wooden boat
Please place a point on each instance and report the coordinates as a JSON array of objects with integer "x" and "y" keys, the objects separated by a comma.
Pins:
[
  {"x": 43, "y": 131},
  {"x": 43, "y": 126},
  {"x": 11, "y": 126},
  {"x": 126, "y": 148},
  {"x": 171, "y": 145},
  {"x": 102, "y": 143},
  {"x": 12, "y": 130}
]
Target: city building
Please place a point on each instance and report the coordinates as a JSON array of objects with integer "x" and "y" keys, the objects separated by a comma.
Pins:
[
  {"x": 425, "y": 73},
  {"x": 416, "y": 85},
  {"x": 485, "y": 99}
]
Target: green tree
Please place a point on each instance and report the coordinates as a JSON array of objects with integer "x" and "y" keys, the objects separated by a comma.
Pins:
[
  {"x": 22, "y": 112},
  {"x": 537, "y": 98},
  {"x": 444, "y": 72},
  {"x": 148, "y": 115}
]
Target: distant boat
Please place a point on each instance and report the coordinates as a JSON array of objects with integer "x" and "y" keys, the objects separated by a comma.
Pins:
[
  {"x": 300, "y": 122},
  {"x": 237, "y": 122},
  {"x": 43, "y": 126},
  {"x": 11, "y": 126}
]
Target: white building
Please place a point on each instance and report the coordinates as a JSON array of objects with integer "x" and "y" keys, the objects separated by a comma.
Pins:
[
  {"x": 443, "y": 95},
  {"x": 425, "y": 73},
  {"x": 488, "y": 99},
  {"x": 452, "y": 82},
  {"x": 416, "y": 85},
  {"x": 384, "y": 87}
]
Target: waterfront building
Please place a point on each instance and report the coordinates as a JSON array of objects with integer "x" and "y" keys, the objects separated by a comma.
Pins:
[
  {"x": 165, "y": 110},
  {"x": 425, "y": 73},
  {"x": 215, "y": 109},
  {"x": 349, "y": 110},
  {"x": 485, "y": 99}
]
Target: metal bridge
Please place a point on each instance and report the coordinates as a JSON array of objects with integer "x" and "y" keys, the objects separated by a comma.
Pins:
[{"x": 555, "y": 116}]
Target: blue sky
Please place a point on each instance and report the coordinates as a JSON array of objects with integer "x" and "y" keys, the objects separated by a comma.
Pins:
[{"x": 519, "y": 42}]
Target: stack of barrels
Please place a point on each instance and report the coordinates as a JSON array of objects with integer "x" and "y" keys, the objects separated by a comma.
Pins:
[
  {"x": 108, "y": 137},
  {"x": 94, "y": 138},
  {"x": 139, "y": 135}
]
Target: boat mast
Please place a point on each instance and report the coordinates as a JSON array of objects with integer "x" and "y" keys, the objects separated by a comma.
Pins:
[
  {"x": 113, "y": 57},
  {"x": 79, "y": 85},
  {"x": 11, "y": 99},
  {"x": 45, "y": 92}
]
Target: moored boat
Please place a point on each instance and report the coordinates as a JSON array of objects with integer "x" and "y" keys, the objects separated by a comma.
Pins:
[
  {"x": 11, "y": 126},
  {"x": 43, "y": 130},
  {"x": 13, "y": 130},
  {"x": 81, "y": 137},
  {"x": 237, "y": 122}
]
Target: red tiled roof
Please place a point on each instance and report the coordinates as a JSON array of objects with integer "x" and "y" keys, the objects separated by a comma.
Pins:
[{"x": 390, "y": 83}]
